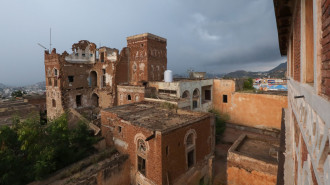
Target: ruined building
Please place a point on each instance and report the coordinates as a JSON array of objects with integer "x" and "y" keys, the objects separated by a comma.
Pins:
[
  {"x": 303, "y": 32},
  {"x": 165, "y": 145},
  {"x": 87, "y": 79}
]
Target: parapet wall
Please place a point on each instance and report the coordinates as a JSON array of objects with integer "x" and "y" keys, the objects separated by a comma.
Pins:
[{"x": 262, "y": 111}]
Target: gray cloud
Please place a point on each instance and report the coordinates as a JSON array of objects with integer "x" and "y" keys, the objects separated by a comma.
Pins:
[{"x": 213, "y": 35}]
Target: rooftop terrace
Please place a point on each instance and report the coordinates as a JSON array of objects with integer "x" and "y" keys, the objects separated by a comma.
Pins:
[{"x": 156, "y": 116}]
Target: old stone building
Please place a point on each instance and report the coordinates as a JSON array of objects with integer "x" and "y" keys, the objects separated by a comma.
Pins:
[
  {"x": 87, "y": 78},
  {"x": 303, "y": 32},
  {"x": 165, "y": 145}
]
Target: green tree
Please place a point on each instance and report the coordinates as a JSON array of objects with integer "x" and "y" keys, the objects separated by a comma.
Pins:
[
  {"x": 248, "y": 84},
  {"x": 220, "y": 123},
  {"x": 17, "y": 93},
  {"x": 30, "y": 150}
]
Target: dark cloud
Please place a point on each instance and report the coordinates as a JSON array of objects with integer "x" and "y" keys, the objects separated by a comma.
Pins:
[{"x": 213, "y": 35}]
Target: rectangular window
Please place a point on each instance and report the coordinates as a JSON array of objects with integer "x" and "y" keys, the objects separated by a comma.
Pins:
[
  {"x": 207, "y": 94},
  {"x": 102, "y": 56},
  {"x": 142, "y": 165},
  {"x": 119, "y": 129},
  {"x": 78, "y": 100},
  {"x": 91, "y": 55},
  {"x": 76, "y": 54},
  {"x": 190, "y": 157},
  {"x": 83, "y": 55},
  {"x": 70, "y": 78},
  {"x": 55, "y": 72},
  {"x": 55, "y": 82},
  {"x": 195, "y": 104},
  {"x": 224, "y": 98},
  {"x": 53, "y": 103},
  {"x": 49, "y": 82}
]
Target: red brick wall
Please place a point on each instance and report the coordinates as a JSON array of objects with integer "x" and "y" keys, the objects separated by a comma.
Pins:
[
  {"x": 154, "y": 155},
  {"x": 147, "y": 59},
  {"x": 325, "y": 66},
  {"x": 297, "y": 42},
  {"x": 175, "y": 163},
  {"x": 158, "y": 163}
]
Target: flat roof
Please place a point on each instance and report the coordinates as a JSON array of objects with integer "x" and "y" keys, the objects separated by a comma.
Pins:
[
  {"x": 156, "y": 116},
  {"x": 149, "y": 35}
]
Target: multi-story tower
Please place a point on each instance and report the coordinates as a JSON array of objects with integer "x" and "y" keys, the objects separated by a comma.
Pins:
[
  {"x": 303, "y": 29},
  {"x": 148, "y": 60},
  {"x": 87, "y": 78}
]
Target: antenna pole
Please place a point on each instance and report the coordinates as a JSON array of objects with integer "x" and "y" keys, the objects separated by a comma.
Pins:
[{"x": 50, "y": 39}]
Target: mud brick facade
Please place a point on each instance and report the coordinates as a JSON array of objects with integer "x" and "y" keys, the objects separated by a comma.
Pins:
[
  {"x": 325, "y": 66},
  {"x": 303, "y": 31},
  {"x": 87, "y": 78},
  {"x": 165, "y": 146},
  {"x": 148, "y": 58}
]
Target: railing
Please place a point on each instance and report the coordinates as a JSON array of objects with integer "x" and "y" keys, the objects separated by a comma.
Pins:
[{"x": 315, "y": 134}]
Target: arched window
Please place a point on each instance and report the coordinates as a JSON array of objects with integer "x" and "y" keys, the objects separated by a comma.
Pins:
[
  {"x": 129, "y": 97},
  {"x": 190, "y": 148},
  {"x": 196, "y": 98},
  {"x": 185, "y": 94},
  {"x": 141, "y": 156}
]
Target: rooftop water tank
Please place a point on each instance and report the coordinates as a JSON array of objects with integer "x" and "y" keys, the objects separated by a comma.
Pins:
[{"x": 168, "y": 76}]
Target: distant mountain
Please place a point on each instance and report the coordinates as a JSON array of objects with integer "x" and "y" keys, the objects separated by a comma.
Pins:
[
  {"x": 2, "y": 86},
  {"x": 36, "y": 86},
  {"x": 277, "y": 72}
]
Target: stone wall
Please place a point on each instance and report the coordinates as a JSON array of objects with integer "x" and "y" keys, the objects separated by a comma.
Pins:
[{"x": 113, "y": 169}]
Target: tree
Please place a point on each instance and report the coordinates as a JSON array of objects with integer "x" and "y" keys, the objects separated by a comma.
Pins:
[
  {"x": 30, "y": 150},
  {"x": 248, "y": 84},
  {"x": 17, "y": 93}
]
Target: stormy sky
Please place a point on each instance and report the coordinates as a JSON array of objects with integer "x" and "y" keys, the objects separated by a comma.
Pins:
[{"x": 216, "y": 36}]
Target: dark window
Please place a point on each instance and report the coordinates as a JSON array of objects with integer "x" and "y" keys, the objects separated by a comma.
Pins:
[
  {"x": 142, "y": 165},
  {"x": 224, "y": 98},
  {"x": 83, "y": 55},
  {"x": 190, "y": 157},
  {"x": 78, "y": 100},
  {"x": 207, "y": 94},
  {"x": 103, "y": 78},
  {"x": 55, "y": 82},
  {"x": 201, "y": 181},
  {"x": 91, "y": 55},
  {"x": 70, "y": 78},
  {"x": 102, "y": 57},
  {"x": 55, "y": 72},
  {"x": 166, "y": 91},
  {"x": 49, "y": 82},
  {"x": 53, "y": 103},
  {"x": 129, "y": 97},
  {"x": 119, "y": 129},
  {"x": 195, "y": 104}
]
